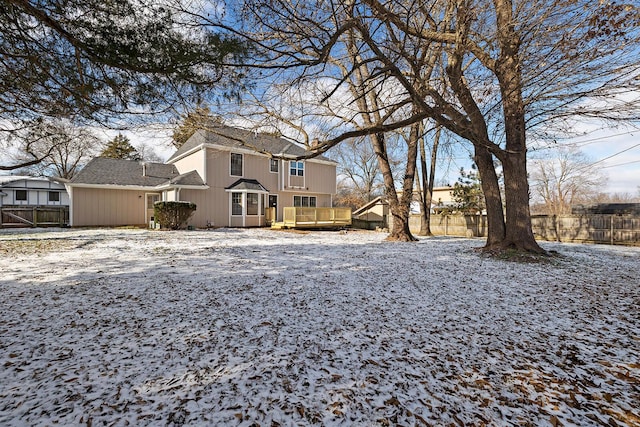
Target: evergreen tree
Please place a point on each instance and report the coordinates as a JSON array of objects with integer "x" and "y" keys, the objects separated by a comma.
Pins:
[
  {"x": 91, "y": 59},
  {"x": 120, "y": 148},
  {"x": 200, "y": 118},
  {"x": 467, "y": 192}
]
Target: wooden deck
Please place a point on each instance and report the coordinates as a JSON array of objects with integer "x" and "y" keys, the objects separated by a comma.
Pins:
[{"x": 296, "y": 217}]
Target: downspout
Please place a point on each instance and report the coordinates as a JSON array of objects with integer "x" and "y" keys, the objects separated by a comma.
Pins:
[
  {"x": 204, "y": 164},
  {"x": 70, "y": 191}
]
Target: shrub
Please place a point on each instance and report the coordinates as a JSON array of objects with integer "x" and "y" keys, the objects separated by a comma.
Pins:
[{"x": 173, "y": 215}]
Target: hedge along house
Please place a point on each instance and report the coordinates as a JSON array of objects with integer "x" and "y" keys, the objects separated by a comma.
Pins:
[
  {"x": 114, "y": 192},
  {"x": 232, "y": 175},
  {"x": 248, "y": 172}
]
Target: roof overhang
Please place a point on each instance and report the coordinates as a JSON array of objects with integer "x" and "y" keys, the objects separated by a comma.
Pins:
[
  {"x": 112, "y": 186},
  {"x": 188, "y": 187},
  {"x": 369, "y": 205},
  {"x": 138, "y": 187},
  {"x": 246, "y": 150}
]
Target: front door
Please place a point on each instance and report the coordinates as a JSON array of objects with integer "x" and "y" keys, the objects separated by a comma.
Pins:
[
  {"x": 273, "y": 203},
  {"x": 151, "y": 199}
]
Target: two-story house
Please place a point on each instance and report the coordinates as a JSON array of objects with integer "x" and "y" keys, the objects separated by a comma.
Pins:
[{"x": 232, "y": 175}]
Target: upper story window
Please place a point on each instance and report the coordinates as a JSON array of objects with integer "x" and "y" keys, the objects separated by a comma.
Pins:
[
  {"x": 21, "y": 195},
  {"x": 296, "y": 168},
  {"x": 54, "y": 196},
  {"x": 273, "y": 165},
  {"x": 236, "y": 164}
]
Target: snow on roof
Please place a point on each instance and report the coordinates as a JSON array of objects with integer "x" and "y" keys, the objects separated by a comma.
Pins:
[
  {"x": 5, "y": 179},
  {"x": 253, "y": 326}
]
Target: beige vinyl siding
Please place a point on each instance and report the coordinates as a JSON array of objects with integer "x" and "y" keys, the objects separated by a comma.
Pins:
[
  {"x": 254, "y": 221},
  {"x": 320, "y": 177},
  {"x": 194, "y": 161},
  {"x": 212, "y": 206},
  {"x": 286, "y": 199},
  {"x": 104, "y": 207},
  {"x": 255, "y": 166}
]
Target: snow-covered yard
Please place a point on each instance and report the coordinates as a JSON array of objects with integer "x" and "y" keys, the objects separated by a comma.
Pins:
[{"x": 260, "y": 327}]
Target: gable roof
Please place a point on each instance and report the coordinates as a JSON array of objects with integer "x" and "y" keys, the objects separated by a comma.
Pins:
[
  {"x": 243, "y": 139},
  {"x": 106, "y": 171},
  {"x": 10, "y": 181},
  {"x": 247, "y": 184},
  {"x": 369, "y": 205},
  {"x": 189, "y": 178}
]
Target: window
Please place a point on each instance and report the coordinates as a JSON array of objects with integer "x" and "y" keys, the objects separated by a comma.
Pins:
[
  {"x": 151, "y": 200},
  {"x": 54, "y": 196},
  {"x": 236, "y": 164},
  {"x": 296, "y": 168},
  {"x": 273, "y": 165},
  {"x": 21, "y": 195},
  {"x": 304, "y": 201},
  {"x": 236, "y": 203},
  {"x": 252, "y": 203}
]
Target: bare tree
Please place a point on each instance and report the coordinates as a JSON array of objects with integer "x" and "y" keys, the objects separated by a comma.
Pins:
[
  {"x": 428, "y": 180},
  {"x": 564, "y": 178},
  {"x": 359, "y": 176},
  {"x": 62, "y": 147},
  {"x": 503, "y": 69}
]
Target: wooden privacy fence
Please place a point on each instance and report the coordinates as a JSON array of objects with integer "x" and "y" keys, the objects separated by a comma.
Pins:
[
  {"x": 588, "y": 228},
  {"x": 34, "y": 216}
]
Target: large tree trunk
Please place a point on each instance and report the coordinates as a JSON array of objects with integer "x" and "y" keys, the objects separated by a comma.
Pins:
[
  {"x": 492, "y": 196},
  {"x": 519, "y": 234},
  {"x": 400, "y": 208}
]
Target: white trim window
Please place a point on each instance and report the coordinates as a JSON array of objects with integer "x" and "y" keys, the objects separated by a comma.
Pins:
[
  {"x": 236, "y": 165},
  {"x": 21, "y": 195},
  {"x": 236, "y": 204},
  {"x": 305, "y": 201},
  {"x": 296, "y": 168},
  {"x": 273, "y": 165},
  {"x": 252, "y": 204}
]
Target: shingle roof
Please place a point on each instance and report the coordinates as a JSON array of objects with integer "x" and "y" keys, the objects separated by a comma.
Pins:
[
  {"x": 189, "y": 178},
  {"x": 247, "y": 184},
  {"x": 102, "y": 170},
  {"x": 241, "y": 138}
]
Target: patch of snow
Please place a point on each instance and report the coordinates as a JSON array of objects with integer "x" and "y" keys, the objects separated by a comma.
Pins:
[{"x": 246, "y": 327}]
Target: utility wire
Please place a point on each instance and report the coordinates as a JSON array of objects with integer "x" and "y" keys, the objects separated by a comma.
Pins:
[
  {"x": 621, "y": 164},
  {"x": 608, "y": 157}
]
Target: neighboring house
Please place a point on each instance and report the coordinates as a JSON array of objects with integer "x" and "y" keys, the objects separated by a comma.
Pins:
[
  {"x": 377, "y": 210},
  {"x": 442, "y": 198},
  {"x": 232, "y": 176},
  {"x": 28, "y": 191}
]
